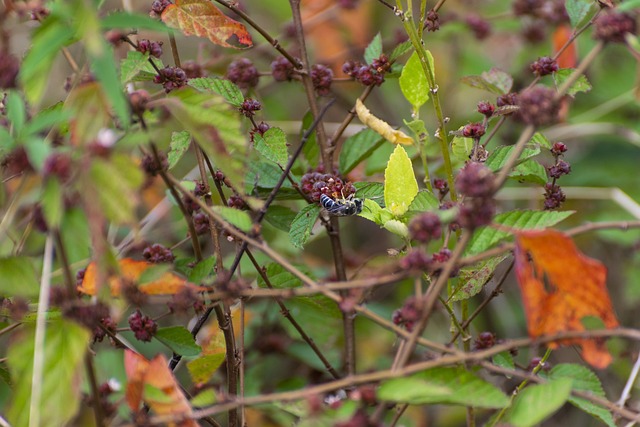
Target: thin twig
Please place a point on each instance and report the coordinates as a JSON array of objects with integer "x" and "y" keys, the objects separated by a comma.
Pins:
[{"x": 630, "y": 381}]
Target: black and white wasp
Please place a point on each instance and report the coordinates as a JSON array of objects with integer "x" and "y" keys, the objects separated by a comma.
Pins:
[{"x": 346, "y": 206}]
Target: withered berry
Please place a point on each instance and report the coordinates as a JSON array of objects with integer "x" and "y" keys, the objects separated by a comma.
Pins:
[
  {"x": 192, "y": 69},
  {"x": 249, "y": 107},
  {"x": 544, "y": 66},
  {"x": 154, "y": 48},
  {"x": 416, "y": 260},
  {"x": 322, "y": 77},
  {"x": 559, "y": 169},
  {"x": 171, "y": 78},
  {"x": 486, "y": 108},
  {"x": 9, "y": 68},
  {"x": 201, "y": 223},
  {"x": 475, "y": 180},
  {"x": 612, "y": 27},
  {"x": 408, "y": 314},
  {"x": 553, "y": 196},
  {"x": 476, "y": 212},
  {"x": 481, "y": 28},
  {"x": 538, "y": 106},
  {"x": 282, "y": 69},
  {"x": 143, "y": 327},
  {"x": 473, "y": 130},
  {"x": 314, "y": 184},
  {"x": 484, "y": 341},
  {"x": 425, "y": 227},
  {"x": 558, "y": 149},
  {"x": 432, "y": 21},
  {"x": 243, "y": 73},
  {"x": 158, "y": 253},
  {"x": 150, "y": 165}
]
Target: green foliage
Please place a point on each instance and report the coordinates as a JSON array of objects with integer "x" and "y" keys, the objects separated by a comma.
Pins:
[
  {"x": 413, "y": 82},
  {"x": 495, "y": 81},
  {"x": 373, "y": 50},
  {"x": 302, "y": 224},
  {"x": 358, "y": 147},
  {"x": 461, "y": 148},
  {"x": 580, "y": 11},
  {"x": 472, "y": 279},
  {"x": 580, "y": 85},
  {"x": 52, "y": 203},
  {"x": 65, "y": 344},
  {"x": 235, "y": 217},
  {"x": 18, "y": 277},
  {"x": 225, "y": 88},
  {"x": 137, "y": 68},
  {"x": 202, "y": 270},
  {"x": 499, "y": 156},
  {"x": 400, "y": 185},
  {"x": 272, "y": 145},
  {"x": 537, "y": 402},
  {"x": 180, "y": 143},
  {"x": 455, "y": 386},
  {"x": 125, "y": 20},
  {"x": 179, "y": 340}
]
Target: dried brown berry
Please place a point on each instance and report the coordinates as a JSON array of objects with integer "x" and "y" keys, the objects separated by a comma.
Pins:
[
  {"x": 538, "y": 106},
  {"x": 612, "y": 27}
]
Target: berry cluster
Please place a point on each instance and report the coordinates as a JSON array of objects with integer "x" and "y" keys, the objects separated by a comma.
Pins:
[
  {"x": 157, "y": 7},
  {"x": 58, "y": 165},
  {"x": 432, "y": 21},
  {"x": 158, "y": 253},
  {"x": 476, "y": 180},
  {"x": 544, "y": 66},
  {"x": 138, "y": 99},
  {"x": 538, "y": 106},
  {"x": 143, "y": 327},
  {"x": 612, "y": 27},
  {"x": 368, "y": 75},
  {"x": 249, "y": 107},
  {"x": 473, "y": 130},
  {"x": 171, "y": 78},
  {"x": 442, "y": 186},
  {"x": 416, "y": 260},
  {"x": 553, "y": 194},
  {"x": 484, "y": 341},
  {"x": 545, "y": 11},
  {"x": 185, "y": 299},
  {"x": 260, "y": 129},
  {"x": 132, "y": 294},
  {"x": 322, "y": 77},
  {"x": 192, "y": 69},
  {"x": 151, "y": 167},
  {"x": 282, "y": 70},
  {"x": 201, "y": 223},
  {"x": 243, "y": 73},
  {"x": 154, "y": 48},
  {"x": 408, "y": 314},
  {"x": 425, "y": 227},
  {"x": 314, "y": 184},
  {"x": 480, "y": 27},
  {"x": 486, "y": 108}
]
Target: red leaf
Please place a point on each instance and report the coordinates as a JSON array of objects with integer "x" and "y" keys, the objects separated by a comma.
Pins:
[
  {"x": 201, "y": 18},
  {"x": 561, "y": 286}
]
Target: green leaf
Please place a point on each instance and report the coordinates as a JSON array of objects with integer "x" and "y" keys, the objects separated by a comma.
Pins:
[
  {"x": 400, "y": 185},
  {"x": 206, "y": 397},
  {"x": 358, "y": 147},
  {"x": 455, "y": 386},
  {"x": 16, "y": 111},
  {"x": 65, "y": 345},
  {"x": 373, "y": 212},
  {"x": 180, "y": 143},
  {"x": 19, "y": 277},
  {"x": 229, "y": 91},
  {"x": 413, "y": 82},
  {"x": 302, "y": 224},
  {"x": 203, "y": 368},
  {"x": 424, "y": 201},
  {"x": 126, "y": 20},
  {"x": 374, "y": 50},
  {"x": 540, "y": 140},
  {"x": 178, "y": 339},
  {"x": 273, "y": 145},
  {"x": 530, "y": 171},
  {"x": 398, "y": 228},
  {"x": 115, "y": 183},
  {"x": 235, "y": 217},
  {"x": 52, "y": 202},
  {"x": 584, "y": 380},
  {"x": 311, "y": 150},
  {"x": 495, "y": 81},
  {"x": 202, "y": 270},
  {"x": 370, "y": 190},
  {"x": 498, "y": 158},
  {"x": 504, "y": 360},
  {"x": 75, "y": 234},
  {"x": 580, "y": 85},
  {"x": 472, "y": 279},
  {"x": 280, "y": 278},
  {"x": 486, "y": 237},
  {"x": 46, "y": 42},
  {"x": 47, "y": 118},
  {"x": 628, "y": 5},
  {"x": 579, "y": 10},
  {"x": 400, "y": 50},
  {"x": 537, "y": 402},
  {"x": 4, "y": 373},
  {"x": 461, "y": 148},
  {"x": 136, "y": 67},
  {"x": 280, "y": 217}
]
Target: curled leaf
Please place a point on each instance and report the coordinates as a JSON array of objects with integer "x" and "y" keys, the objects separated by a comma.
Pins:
[
  {"x": 561, "y": 287},
  {"x": 201, "y": 18},
  {"x": 383, "y": 128}
]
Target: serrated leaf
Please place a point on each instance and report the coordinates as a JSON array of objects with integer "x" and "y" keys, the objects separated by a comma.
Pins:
[
  {"x": 272, "y": 145},
  {"x": 46, "y": 42},
  {"x": 126, "y": 20},
  {"x": 580, "y": 85},
  {"x": 302, "y": 224},
  {"x": 499, "y": 157},
  {"x": 579, "y": 10},
  {"x": 424, "y": 201},
  {"x": 90, "y": 112},
  {"x": 280, "y": 217},
  {"x": 374, "y": 49},
  {"x": 400, "y": 50},
  {"x": 370, "y": 190},
  {"x": 202, "y": 19},
  {"x": 504, "y": 360},
  {"x": 65, "y": 344},
  {"x": 202, "y": 270},
  {"x": 47, "y": 118},
  {"x": 486, "y": 237},
  {"x": 413, "y": 82},
  {"x": 18, "y": 277},
  {"x": 116, "y": 183},
  {"x": 455, "y": 386},
  {"x": 356, "y": 148},
  {"x": 203, "y": 368},
  {"x": 180, "y": 143},
  {"x": 461, "y": 148},
  {"x": 495, "y": 81},
  {"x": 52, "y": 202},
  {"x": 226, "y": 88},
  {"x": 472, "y": 279},
  {"x": 400, "y": 185},
  {"x": 530, "y": 171},
  {"x": 178, "y": 339},
  {"x": 136, "y": 67},
  {"x": 537, "y": 402},
  {"x": 280, "y": 278},
  {"x": 540, "y": 140},
  {"x": 235, "y": 217}
]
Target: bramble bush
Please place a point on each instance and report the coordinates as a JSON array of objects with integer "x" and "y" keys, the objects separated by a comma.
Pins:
[{"x": 320, "y": 213}]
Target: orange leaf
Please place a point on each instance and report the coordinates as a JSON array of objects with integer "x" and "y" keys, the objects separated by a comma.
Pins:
[
  {"x": 561, "y": 286},
  {"x": 569, "y": 57},
  {"x": 201, "y": 18},
  {"x": 154, "y": 382},
  {"x": 130, "y": 271}
]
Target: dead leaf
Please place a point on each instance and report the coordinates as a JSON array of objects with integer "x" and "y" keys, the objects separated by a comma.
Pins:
[
  {"x": 380, "y": 126},
  {"x": 569, "y": 57},
  {"x": 202, "y": 19},
  {"x": 153, "y": 382},
  {"x": 560, "y": 287},
  {"x": 131, "y": 271}
]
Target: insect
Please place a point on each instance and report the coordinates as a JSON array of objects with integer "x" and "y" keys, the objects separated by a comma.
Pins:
[{"x": 341, "y": 207}]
